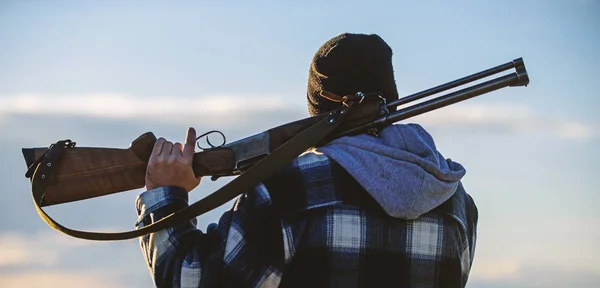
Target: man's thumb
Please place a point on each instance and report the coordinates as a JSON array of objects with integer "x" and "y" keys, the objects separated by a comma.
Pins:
[{"x": 190, "y": 142}]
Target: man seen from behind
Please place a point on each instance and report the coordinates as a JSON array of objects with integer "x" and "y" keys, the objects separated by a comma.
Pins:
[{"x": 361, "y": 211}]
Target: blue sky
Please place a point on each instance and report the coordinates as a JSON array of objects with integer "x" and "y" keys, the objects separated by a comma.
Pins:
[{"x": 104, "y": 72}]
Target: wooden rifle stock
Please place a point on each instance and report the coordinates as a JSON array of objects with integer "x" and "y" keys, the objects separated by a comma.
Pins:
[
  {"x": 88, "y": 172},
  {"x": 85, "y": 173}
]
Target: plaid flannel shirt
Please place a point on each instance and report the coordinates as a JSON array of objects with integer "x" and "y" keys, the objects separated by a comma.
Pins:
[{"x": 310, "y": 225}]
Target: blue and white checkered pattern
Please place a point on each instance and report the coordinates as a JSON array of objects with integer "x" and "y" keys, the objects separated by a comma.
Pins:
[{"x": 309, "y": 225}]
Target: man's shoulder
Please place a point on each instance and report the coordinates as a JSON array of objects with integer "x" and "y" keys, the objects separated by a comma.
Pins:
[
  {"x": 307, "y": 167},
  {"x": 306, "y": 162},
  {"x": 312, "y": 180},
  {"x": 315, "y": 180}
]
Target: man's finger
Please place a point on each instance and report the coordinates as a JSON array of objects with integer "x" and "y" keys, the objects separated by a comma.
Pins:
[
  {"x": 177, "y": 147},
  {"x": 190, "y": 143},
  {"x": 158, "y": 146},
  {"x": 166, "y": 149}
]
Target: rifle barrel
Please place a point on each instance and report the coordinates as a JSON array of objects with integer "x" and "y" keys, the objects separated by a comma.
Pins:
[
  {"x": 449, "y": 99},
  {"x": 519, "y": 78},
  {"x": 517, "y": 63}
]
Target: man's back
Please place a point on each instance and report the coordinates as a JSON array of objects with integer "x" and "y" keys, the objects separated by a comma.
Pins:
[
  {"x": 338, "y": 236},
  {"x": 367, "y": 210},
  {"x": 314, "y": 224}
]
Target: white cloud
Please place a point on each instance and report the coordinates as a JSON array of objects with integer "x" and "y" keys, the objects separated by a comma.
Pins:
[
  {"x": 515, "y": 117},
  {"x": 17, "y": 251},
  {"x": 121, "y": 106},
  {"x": 52, "y": 259},
  {"x": 574, "y": 130},
  {"x": 505, "y": 117},
  {"x": 235, "y": 110},
  {"x": 552, "y": 253},
  {"x": 35, "y": 250}
]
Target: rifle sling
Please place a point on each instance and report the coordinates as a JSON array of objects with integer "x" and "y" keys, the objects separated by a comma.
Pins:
[{"x": 262, "y": 170}]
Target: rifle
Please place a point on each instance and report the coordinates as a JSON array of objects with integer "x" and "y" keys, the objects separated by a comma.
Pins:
[{"x": 65, "y": 173}]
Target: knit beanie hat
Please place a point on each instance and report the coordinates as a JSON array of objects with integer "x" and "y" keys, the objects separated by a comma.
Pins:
[{"x": 350, "y": 63}]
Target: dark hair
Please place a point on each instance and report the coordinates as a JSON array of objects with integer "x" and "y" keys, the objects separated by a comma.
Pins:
[{"x": 350, "y": 63}]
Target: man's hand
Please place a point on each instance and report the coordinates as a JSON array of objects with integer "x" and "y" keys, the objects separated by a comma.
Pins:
[{"x": 171, "y": 164}]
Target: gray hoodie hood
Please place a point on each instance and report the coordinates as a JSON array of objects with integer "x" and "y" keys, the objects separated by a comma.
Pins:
[{"x": 401, "y": 169}]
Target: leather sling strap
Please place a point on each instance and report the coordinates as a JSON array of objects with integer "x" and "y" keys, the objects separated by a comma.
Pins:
[{"x": 262, "y": 170}]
